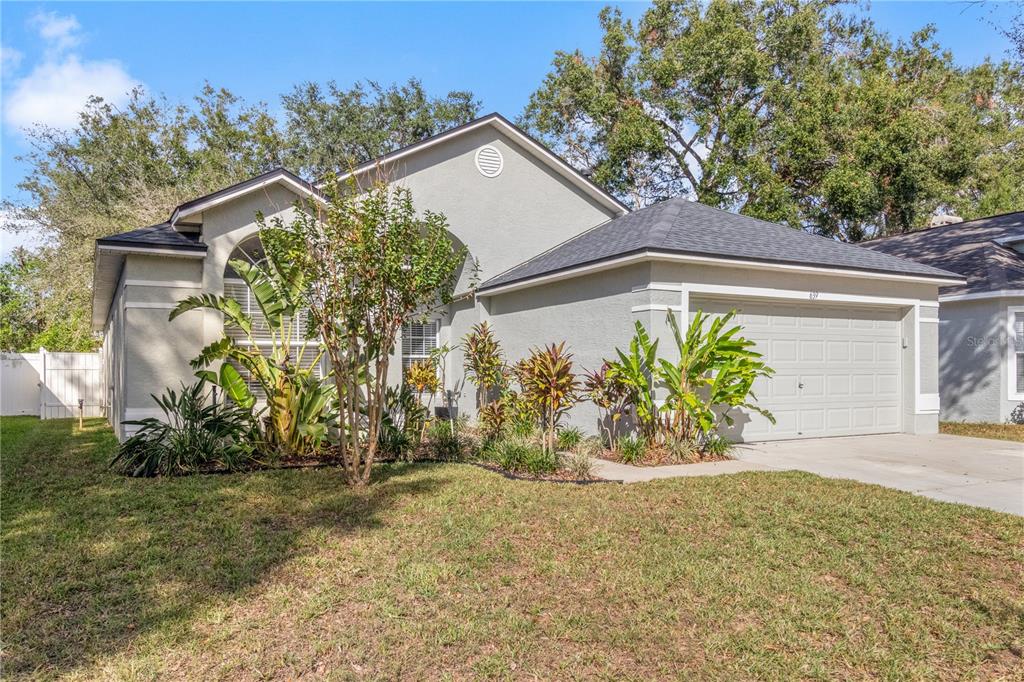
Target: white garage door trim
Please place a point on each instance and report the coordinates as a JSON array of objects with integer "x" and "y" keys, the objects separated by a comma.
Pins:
[
  {"x": 838, "y": 367},
  {"x": 922, "y": 403}
]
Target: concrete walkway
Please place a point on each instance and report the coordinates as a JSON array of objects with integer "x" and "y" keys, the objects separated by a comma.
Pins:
[
  {"x": 975, "y": 471},
  {"x": 628, "y": 473}
]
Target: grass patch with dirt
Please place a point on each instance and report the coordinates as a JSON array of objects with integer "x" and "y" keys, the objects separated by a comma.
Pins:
[
  {"x": 448, "y": 570},
  {"x": 1014, "y": 432}
]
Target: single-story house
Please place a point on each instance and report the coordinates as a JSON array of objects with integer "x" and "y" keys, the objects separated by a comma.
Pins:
[
  {"x": 850, "y": 332},
  {"x": 981, "y": 327}
]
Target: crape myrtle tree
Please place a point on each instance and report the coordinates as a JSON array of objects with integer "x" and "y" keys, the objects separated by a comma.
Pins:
[{"x": 371, "y": 263}]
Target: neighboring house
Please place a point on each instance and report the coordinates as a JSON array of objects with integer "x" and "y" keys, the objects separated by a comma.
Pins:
[
  {"x": 850, "y": 332},
  {"x": 981, "y": 333}
]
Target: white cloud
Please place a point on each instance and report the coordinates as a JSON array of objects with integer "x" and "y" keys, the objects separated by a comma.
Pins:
[
  {"x": 10, "y": 60},
  {"x": 57, "y": 88},
  {"x": 59, "y": 32},
  {"x": 54, "y": 92}
]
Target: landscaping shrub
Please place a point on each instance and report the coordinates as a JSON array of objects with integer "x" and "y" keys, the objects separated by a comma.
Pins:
[
  {"x": 195, "y": 435},
  {"x": 521, "y": 417},
  {"x": 1017, "y": 415},
  {"x": 591, "y": 447},
  {"x": 522, "y": 455},
  {"x": 714, "y": 374},
  {"x": 484, "y": 362},
  {"x": 549, "y": 387},
  {"x": 569, "y": 438},
  {"x": 540, "y": 461},
  {"x": 445, "y": 440},
  {"x": 578, "y": 465},
  {"x": 718, "y": 446},
  {"x": 510, "y": 453},
  {"x": 402, "y": 423},
  {"x": 299, "y": 404},
  {"x": 632, "y": 449},
  {"x": 682, "y": 449},
  {"x": 493, "y": 418},
  {"x": 609, "y": 394}
]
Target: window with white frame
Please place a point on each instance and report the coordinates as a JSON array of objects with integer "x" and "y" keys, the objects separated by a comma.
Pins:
[
  {"x": 1015, "y": 358},
  {"x": 418, "y": 340},
  {"x": 302, "y": 352}
]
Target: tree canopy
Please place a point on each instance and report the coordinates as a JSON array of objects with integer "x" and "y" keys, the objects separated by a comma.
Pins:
[
  {"x": 787, "y": 110},
  {"x": 125, "y": 168}
]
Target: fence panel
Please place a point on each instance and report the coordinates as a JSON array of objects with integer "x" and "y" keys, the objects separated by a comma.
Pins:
[
  {"x": 70, "y": 377},
  {"x": 51, "y": 384},
  {"x": 19, "y": 383}
]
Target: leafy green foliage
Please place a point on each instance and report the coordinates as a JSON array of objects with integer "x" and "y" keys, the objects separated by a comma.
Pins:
[
  {"x": 403, "y": 422},
  {"x": 635, "y": 373},
  {"x": 494, "y": 417},
  {"x": 446, "y": 443},
  {"x": 607, "y": 391},
  {"x": 195, "y": 434},
  {"x": 298, "y": 403},
  {"x": 523, "y": 455},
  {"x": 714, "y": 375},
  {"x": 569, "y": 438},
  {"x": 484, "y": 362},
  {"x": 372, "y": 264},
  {"x": 550, "y": 387},
  {"x": 795, "y": 112},
  {"x": 330, "y": 130},
  {"x": 577, "y": 464},
  {"x": 631, "y": 449}
]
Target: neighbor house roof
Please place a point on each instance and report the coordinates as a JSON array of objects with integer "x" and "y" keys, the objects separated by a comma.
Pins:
[
  {"x": 678, "y": 226},
  {"x": 537, "y": 149},
  {"x": 159, "y": 236},
  {"x": 979, "y": 250}
]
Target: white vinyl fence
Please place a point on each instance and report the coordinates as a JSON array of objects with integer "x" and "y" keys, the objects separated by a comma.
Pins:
[{"x": 50, "y": 385}]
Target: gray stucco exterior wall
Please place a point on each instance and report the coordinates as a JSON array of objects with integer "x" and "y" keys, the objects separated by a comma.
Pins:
[
  {"x": 595, "y": 314},
  {"x": 973, "y": 347},
  {"x": 592, "y": 314}
]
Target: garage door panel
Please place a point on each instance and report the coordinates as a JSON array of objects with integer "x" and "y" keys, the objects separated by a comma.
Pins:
[
  {"x": 838, "y": 419},
  {"x": 812, "y": 350},
  {"x": 836, "y": 368}
]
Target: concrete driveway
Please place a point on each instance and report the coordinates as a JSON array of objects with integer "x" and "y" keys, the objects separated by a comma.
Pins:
[{"x": 976, "y": 471}]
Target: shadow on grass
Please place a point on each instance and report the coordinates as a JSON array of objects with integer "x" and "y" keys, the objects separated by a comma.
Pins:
[{"x": 93, "y": 560}]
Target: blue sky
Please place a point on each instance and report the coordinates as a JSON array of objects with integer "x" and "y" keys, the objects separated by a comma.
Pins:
[{"x": 55, "y": 53}]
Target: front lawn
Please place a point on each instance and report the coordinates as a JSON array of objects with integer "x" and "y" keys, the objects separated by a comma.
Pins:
[
  {"x": 1014, "y": 432},
  {"x": 452, "y": 571}
]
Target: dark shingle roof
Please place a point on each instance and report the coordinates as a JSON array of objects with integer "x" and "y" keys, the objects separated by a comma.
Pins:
[
  {"x": 160, "y": 236},
  {"x": 685, "y": 227},
  {"x": 968, "y": 249},
  {"x": 240, "y": 186}
]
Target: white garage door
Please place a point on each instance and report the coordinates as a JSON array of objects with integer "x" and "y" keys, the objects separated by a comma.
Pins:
[{"x": 837, "y": 368}]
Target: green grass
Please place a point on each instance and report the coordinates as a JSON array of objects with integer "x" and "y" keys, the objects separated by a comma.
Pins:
[
  {"x": 1014, "y": 432},
  {"x": 447, "y": 570}
]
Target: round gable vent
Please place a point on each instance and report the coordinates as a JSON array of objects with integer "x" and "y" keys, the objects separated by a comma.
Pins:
[{"x": 489, "y": 161}]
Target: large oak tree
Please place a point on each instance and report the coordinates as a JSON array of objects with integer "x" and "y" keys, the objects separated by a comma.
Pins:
[{"x": 787, "y": 110}]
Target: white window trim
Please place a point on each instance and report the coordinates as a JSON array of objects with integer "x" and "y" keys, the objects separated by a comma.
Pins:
[
  {"x": 418, "y": 356},
  {"x": 1011, "y": 353}
]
